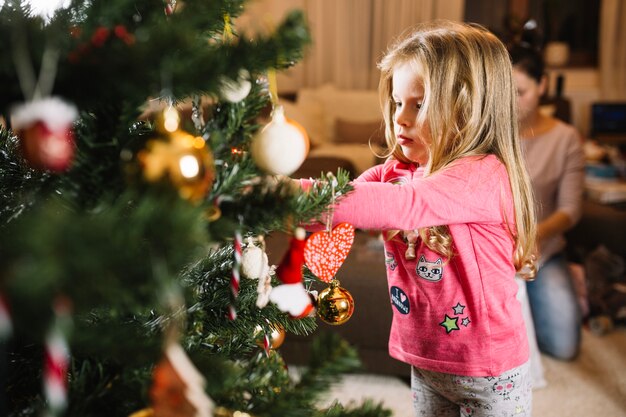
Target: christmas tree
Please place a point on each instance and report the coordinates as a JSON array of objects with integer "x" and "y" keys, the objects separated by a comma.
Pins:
[{"x": 136, "y": 184}]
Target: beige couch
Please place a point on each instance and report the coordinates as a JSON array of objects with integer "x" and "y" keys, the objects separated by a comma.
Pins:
[{"x": 344, "y": 126}]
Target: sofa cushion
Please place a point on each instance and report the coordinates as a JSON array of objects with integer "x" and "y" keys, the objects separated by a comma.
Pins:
[
  {"x": 310, "y": 116},
  {"x": 348, "y": 131},
  {"x": 353, "y": 105},
  {"x": 360, "y": 155}
]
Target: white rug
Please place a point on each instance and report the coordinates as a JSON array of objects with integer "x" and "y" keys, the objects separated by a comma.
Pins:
[
  {"x": 592, "y": 385},
  {"x": 354, "y": 389}
]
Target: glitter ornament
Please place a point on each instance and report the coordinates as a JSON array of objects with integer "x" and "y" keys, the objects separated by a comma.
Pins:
[
  {"x": 335, "y": 304},
  {"x": 44, "y": 128},
  {"x": 281, "y": 146}
]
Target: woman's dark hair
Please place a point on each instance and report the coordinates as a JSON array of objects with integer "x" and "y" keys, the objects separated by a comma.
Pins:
[{"x": 527, "y": 59}]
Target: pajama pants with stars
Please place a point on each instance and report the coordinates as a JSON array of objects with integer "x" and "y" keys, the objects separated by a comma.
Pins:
[{"x": 437, "y": 394}]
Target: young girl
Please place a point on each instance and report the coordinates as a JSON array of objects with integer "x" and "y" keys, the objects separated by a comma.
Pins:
[{"x": 449, "y": 105}]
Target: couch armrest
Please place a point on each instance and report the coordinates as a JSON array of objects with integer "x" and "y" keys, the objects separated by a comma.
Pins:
[{"x": 314, "y": 167}]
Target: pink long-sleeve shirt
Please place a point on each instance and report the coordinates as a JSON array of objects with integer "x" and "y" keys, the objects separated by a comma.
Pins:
[{"x": 458, "y": 315}]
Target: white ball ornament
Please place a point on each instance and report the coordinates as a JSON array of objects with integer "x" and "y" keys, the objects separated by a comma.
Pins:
[
  {"x": 281, "y": 146},
  {"x": 254, "y": 262},
  {"x": 236, "y": 90}
]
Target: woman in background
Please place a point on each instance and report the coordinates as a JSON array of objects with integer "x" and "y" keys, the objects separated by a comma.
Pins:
[{"x": 555, "y": 161}]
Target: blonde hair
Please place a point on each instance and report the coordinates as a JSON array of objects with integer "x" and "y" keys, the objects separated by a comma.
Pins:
[{"x": 471, "y": 109}]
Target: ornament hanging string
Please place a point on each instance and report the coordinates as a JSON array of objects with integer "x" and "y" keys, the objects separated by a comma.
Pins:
[
  {"x": 34, "y": 88},
  {"x": 273, "y": 86},
  {"x": 331, "y": 207},
  {"x": 228, "y": 29}
]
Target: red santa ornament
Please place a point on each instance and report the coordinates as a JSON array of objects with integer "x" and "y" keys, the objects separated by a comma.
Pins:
[
  {"x": 291, "y": 297},
  {"x": 45, "y": 130}
]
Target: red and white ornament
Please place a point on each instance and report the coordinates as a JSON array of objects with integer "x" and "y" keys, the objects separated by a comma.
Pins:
[
  {"x": 326, "y": 251},
  {"x": 291, "y": 296},
  {"x": 57, "y": 358},
  {"x": 45, "y": 130},
  {"x": 235, "y": 277},
  {"x": 281, "y": 146},
  {"x": 170, "y": 7},
  {"x": 6, "y": 326}
]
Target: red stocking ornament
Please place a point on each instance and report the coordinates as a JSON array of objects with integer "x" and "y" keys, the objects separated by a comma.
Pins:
[{"x": 291, "y": 296}]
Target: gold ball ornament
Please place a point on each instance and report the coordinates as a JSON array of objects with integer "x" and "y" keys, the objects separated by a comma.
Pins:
[
  {"x": 185, "y": 160},
  {"x": 281, "y": 146},
  {"x": 335, "y": 304},
  {"x": 226, "y": 412},
  {"x": 276, "y": 336}
]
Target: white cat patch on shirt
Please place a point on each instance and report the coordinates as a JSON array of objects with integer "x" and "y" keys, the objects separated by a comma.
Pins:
[{"x": 430, "y": 271}]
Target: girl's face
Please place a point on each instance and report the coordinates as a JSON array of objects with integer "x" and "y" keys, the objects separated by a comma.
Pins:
[
  {"x": 408, "y": 95},
  {"x": 529, "y": 92}
]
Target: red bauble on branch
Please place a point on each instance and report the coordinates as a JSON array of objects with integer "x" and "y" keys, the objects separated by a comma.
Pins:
[{"x": 45, "y": 130}]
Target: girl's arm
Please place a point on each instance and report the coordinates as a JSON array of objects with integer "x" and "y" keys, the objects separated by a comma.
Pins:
[
  {"x": 370, "y": 175},
  {"x": 474, "y": 190}
]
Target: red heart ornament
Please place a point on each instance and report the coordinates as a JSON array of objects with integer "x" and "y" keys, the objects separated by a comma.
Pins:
[{"x": 325, "y": 252}]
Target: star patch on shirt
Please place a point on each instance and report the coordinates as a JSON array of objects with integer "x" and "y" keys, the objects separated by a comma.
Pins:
[
  {"x": 458, "y": 309},
  {"x": 450, "y": 323}
]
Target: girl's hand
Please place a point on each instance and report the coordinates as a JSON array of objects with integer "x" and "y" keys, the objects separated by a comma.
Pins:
[{"x": 276, "y": 180}]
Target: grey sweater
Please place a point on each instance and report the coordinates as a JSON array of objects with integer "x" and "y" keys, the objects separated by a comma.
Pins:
[{"x": 556, "y": 165}]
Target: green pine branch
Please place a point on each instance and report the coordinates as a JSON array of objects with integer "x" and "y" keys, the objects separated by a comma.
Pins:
[{"x": 117, "y": 246}]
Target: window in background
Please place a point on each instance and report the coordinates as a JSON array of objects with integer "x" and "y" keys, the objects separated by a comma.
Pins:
[{"x": 567, "y": 27}]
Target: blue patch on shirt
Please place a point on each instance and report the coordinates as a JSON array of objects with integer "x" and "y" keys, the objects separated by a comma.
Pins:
[{"x": 400, "y": 300}]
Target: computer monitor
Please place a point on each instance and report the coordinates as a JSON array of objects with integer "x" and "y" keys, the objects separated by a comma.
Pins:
[
  {"x": 608, "y": 121},
  {"x": 608, "y": 118}
]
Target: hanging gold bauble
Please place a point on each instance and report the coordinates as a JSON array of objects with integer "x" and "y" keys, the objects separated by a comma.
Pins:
[
  {"x": 276, "y": 336},
  {"x": 335, "y": 304},
  {"x": 225, "y": 412},
  {"x": 183, "y": 159},
  {"x": 146, "y": 412}
]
